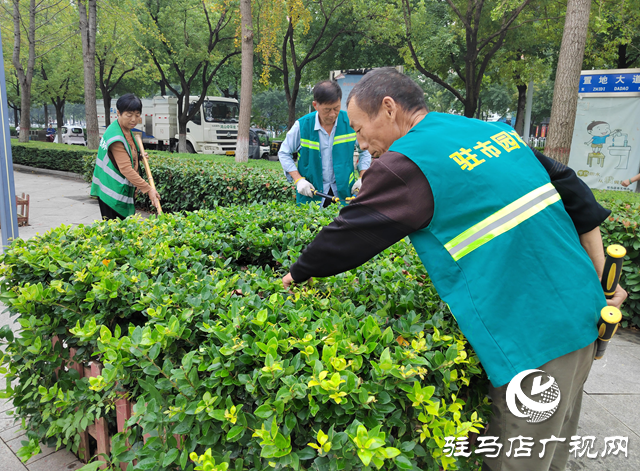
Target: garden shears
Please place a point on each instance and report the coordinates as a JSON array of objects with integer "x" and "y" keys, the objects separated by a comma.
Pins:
[{"x": 334, "y": 199}]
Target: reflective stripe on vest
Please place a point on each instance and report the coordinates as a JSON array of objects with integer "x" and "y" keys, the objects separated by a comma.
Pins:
[
  {"x": 344, "y": 138},
  {"x": 103, "y": 164},
  {"x": 310, "y": 144},
  {"x": 109, "y": 192},
  {"x": 502, "y": 221}
]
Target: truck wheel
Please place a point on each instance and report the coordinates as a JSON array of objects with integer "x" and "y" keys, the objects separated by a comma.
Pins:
[
  {"x": 190, "y": 148},
  {"x": 265, "y": 156}
]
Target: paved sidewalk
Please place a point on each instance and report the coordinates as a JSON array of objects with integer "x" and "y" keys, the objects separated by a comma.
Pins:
[{"x": 611, "y": 401}]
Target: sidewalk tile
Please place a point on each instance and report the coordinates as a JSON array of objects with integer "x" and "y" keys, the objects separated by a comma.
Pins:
[
  {"x": 12, "y": 433},
  {"x": 625, "y": 408},
  {"x": 627, "y": 336},
  {"x": 9, "y": 461},
  {"x": 615, "y": 373},
  {"x": 6, "y": 421},
  {"x": 597, "y": 421},
  {"x": 62, "y": 460}
]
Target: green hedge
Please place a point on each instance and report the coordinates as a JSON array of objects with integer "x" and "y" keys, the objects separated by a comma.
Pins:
[
  {"x": 188, "y": 316},
  {"x": 623, "y": 227},
  {"x": 65, "y": 158},
  {"x": 190, "y": 185}
]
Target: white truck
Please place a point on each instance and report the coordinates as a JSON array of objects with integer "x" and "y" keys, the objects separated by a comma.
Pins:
[{"x": 213, "y": 130}]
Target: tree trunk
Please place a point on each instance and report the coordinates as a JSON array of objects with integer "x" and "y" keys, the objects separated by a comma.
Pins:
[
  {"x": 106, "y": 99},
  {"x": 479, "y": 109},
  {"x": 522, "y": 104},
  {"x": 622, "y": 56},
  {"x": 88, "y": 33},
  {"x": 59, "y": 106},
  {"x": 25, "y": 77},
  {"x": 246, "y": 82},
  {"x": 565, "y": 92},
  {"x": 291, "y": 101},
  {"x": 46, "y": 116},
  {"x": 182, "y": 123}
]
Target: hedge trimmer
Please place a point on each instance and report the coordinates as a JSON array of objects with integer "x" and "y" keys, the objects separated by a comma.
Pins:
[{"x": 333, "y": 199}]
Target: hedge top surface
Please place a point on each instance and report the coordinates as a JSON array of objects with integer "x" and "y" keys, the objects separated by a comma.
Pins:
[{"x": 188, "y": 316}]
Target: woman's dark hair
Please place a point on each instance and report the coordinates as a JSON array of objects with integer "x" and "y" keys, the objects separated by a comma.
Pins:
[
  {"x": 129, "y": 102},
  {"x": 327, "y": 91},
  {"x": 377, "y": 84}
]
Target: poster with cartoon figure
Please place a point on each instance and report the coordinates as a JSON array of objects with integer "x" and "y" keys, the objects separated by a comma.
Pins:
[{"x": 605, "y": 150}]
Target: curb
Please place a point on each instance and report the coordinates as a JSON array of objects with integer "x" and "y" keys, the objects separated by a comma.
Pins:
[{"x": 46, "y": 171}]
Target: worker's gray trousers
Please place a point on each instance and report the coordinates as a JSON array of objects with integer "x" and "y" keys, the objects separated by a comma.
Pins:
[{"x": 570, "y": 372}]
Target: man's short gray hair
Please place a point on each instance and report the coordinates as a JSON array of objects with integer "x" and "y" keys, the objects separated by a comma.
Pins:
[{"x": 377, "y": 84}]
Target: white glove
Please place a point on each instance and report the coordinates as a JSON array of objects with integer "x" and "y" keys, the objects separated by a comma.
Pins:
[
  {"x": 304, "y": 187},
  {"x": 356, "y": 186}
]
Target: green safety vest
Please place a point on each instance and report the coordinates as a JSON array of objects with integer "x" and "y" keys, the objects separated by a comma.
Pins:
[
  {"x": 108, "y": 183},
  {"x": 310, "y": 160},
  {"x": 501, "y": 250}
]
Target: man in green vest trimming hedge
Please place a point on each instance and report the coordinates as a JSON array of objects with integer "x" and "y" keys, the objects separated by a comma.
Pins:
[
  {"x": 115, "y": 176},
  {"x": 325, "y": 143},
  {"x": 511, "y": 241}
]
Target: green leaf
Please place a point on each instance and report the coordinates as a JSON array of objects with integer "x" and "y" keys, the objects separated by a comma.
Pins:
[
  {"x": 264, "y": 411},
  {"x": 147, "y": 463},
  {"x": 154, "y": 351},
  {"x": 235, "y": 433},
  {"x": 403, "y": 462},
  {"x": 170, "y": 457},
  {"x": 93, "y": 466},
  {"x": 365, "y": 456},
  {"x": 184, "y": 426}
]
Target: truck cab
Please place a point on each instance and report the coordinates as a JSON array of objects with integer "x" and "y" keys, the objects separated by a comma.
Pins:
[{"x": 214, "y": 128}]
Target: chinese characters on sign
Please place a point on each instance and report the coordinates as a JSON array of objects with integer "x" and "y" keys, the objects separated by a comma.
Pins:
[
  {"x": 522, "y": 446},
  {"x": 508, "y": 141},
  {"x": 610, "y": 83}
]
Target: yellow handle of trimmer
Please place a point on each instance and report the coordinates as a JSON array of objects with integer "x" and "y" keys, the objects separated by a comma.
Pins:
[
  {"x": 610, "y": 316},
  {"x": 612, "y": 269}
]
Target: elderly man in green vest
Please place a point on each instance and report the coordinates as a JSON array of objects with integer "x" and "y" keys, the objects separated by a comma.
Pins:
[
  {"x": 325, "y": 143},
  {"x": 511, "y": 241}
]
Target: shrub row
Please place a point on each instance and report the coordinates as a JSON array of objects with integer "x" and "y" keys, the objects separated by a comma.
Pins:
[
  {"x": 623, "y": 227},
  {"x": 188, "y": 317},
  {"x": 190, "y": 185},
  {"x": 50, "y": 156}
]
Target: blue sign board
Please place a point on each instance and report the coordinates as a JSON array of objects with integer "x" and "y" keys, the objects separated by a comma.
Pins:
[
  {"x": 612, "y": 82},
  {"x": 347, "y": 82}
]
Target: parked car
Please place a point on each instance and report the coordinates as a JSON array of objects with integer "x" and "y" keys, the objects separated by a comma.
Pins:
[
  {"x": 72, "y": 135},
  {"x": 258, "y": 144}
]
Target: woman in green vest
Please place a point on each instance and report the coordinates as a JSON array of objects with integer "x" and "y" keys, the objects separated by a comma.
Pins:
[{"x": 116, "y": 176}]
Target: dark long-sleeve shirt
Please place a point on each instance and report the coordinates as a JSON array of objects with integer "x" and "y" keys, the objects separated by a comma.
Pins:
[{"x": 396, "y": 200}]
